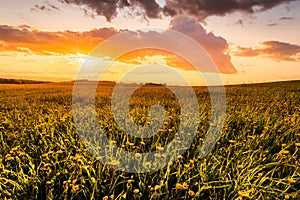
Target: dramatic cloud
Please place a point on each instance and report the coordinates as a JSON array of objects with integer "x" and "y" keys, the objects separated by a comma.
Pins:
[
  {"x": 197, "y": 8},
  {"x": 217, "y": 47},
  {"x": 108, "y": 8},
  {"x": 43, "y": 42},
  {"x": 69, "y": 42},
  {"x": 204, "y": 8},
  {"x": 278, "y": 51}
]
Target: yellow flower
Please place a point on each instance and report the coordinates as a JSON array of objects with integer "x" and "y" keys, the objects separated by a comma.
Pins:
[
  {"x": 142, "y": 143},
  {"x": 231, "y": 141},
  {"x": 157, "y": 187},
  {"x": 105, "y": 198},
  {"x": 136, "y": 191},
  {"x": 297, "y": 144},
  {"x": 178, "y": 186},
  {"x": 191, "y": 193},
  {"x": 185, "y": 186},
  {"x": 292, "y": 181},
  {"x": 130, "y": 181},
  {"x": 59, "y": 152},
  {"x": 75, "y": 188},
  {"x": 245, "y": 193},
  {"x": 159, "y": 148}
]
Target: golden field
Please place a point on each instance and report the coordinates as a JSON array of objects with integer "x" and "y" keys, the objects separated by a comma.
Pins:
[{"x": 257, "y": 156}]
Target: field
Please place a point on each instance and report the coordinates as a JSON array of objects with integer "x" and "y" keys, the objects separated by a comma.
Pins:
[{"x": 257, "y": 156}]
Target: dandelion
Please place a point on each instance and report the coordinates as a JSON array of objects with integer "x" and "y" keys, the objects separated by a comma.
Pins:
[
  {"x": 240, "y": 166},
  {"x": 8, "y": 157},
  {"x": 105, "y": 198},
  {"x": 159, "y": 148},
  {"x": 185, "y": 186},
  {"x": 245, "y": 193},
  {"x": 157, "y": 187},
  {"x": 136, "y": 191},
  {"x": 138, "y": 155},
  {"x": 113, "y": 142},
  {"x": 291, "y": 181},
  {"x": 191, "y": 193},
  {"x": 130, "y": 181},
  {"x": 75, "y": 188},
  {"x": 59, "y": 151},
  {"x": 178, "y": 186}
]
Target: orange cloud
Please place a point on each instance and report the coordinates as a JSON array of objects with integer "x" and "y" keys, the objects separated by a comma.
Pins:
[
  {"x": 137, "y": 57},
  {"x": 275, "y": 50},
  {"x": 43, "y": 42},
  {"x": 39, "y": 42}
]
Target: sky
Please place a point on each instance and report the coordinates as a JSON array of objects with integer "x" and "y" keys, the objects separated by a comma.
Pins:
[{"x": 249, "y": 41}]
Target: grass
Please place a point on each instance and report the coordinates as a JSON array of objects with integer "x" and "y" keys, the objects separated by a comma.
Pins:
[{"x": 257, "y": 156}]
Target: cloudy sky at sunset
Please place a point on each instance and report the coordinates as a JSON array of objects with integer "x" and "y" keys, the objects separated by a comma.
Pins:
[{"x": 249, "y": 40}]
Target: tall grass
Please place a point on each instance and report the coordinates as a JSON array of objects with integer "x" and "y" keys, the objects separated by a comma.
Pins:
[{"x": 257, "y": 156}]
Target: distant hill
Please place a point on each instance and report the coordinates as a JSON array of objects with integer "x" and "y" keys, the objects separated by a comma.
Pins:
[{"x": 20, "y": 81}]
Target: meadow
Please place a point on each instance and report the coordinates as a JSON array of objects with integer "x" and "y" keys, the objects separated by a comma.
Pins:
[{"x": 257, "y": 156}]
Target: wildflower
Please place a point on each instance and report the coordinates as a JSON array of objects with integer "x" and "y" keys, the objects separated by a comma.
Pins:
[
  {"x": 105, "y": 198},
  {"x": 138, "y": 155},
  {"x": 8, "y": 157},
  {"x": 180, "y": 157},
  {"x": 59, "y": 152},
  {"x": 75, "y": 188},
  {"x": 113, "y": 142},
  {"x": 147, "y": 165},
  {"x": 130, "y": 181},
  {"x": 15, "y": 149},
  {"x": 185, "y": 186},
  {"x": 231, "y": 141},
  {"x": 178, "y": 186},
  {"x": 297, "y": 144},
  {"x": 292, "y": 181},
  {"x": 245, "y": 193},
  {"x": 142, "y": 143},
  {"x": 191, "y": 193},
  {"x": 136, "y": 191},
  {"x": 159, "y": 148},
  {"x": 157, "y": 187}
]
